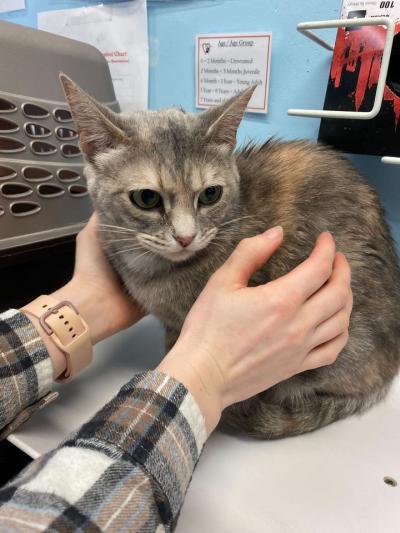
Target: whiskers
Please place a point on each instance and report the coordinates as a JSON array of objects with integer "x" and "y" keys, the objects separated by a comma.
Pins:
[
  {"x": 128, "y": 240},
  {"x": 127, "y": 250},
  {"x": 139, "y": 256},
  {"x": 128, "y": 236},
  {"x": 152, "y": 241},
  {"x": 127, "y": 265},
  {"x": 120, "y": 240},
  {"x": 122, "y": 231},
  {"x": 119, "y": 228}
]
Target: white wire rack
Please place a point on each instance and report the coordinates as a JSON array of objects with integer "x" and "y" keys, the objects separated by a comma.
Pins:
[
  {"x": 306, "y": 27},
  {"x": 391, "y": 160}
]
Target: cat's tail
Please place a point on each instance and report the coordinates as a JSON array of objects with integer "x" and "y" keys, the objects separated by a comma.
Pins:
[{"x": 258, "y": 418}]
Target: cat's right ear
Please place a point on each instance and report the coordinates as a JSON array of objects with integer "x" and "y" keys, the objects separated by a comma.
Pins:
[
  {"x": 97, "y": 131},
  {"x": 222, "y": 121}
]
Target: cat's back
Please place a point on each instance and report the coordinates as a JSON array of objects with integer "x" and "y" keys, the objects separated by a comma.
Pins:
[
  {"x": 295, "y": 176},
  {"x": 308, "y": 188}
]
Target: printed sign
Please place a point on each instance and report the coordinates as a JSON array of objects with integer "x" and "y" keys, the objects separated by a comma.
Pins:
[
  {"x": 11, "y": 5},
  {"x": 228, "y": 64},
  {"x": 370, "y": 8},
  {"x": 119, "y": 31}
]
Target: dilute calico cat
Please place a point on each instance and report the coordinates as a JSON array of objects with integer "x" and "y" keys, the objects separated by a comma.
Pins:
[{"x": 175, "y": 198}]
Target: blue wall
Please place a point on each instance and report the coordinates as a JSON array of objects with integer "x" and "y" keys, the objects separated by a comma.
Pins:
[{"x": 299, "y": 68}]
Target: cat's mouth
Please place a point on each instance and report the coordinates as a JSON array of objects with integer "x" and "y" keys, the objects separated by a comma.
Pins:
[
  {"x": 175, "y": 253},
  {"x": 181, "y": 255}
]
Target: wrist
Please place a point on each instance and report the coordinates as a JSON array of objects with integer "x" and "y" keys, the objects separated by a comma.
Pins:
[
  {"x": 105, "y": 313},
  {"x": 189, "y": 369},
  {"x": 86, "y": 304},
  {"x": 90, "y": 306},
  {"x": 65, "y": 334}
]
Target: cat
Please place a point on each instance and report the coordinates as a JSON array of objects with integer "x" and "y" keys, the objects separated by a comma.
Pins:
[{"x": 174, "y": 199}]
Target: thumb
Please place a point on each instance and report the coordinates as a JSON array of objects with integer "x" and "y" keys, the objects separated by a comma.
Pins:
[{"x": 250, "y": 255}]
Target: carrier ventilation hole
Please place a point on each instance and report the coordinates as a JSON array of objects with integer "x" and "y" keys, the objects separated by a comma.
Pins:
[
  {"x": 70, "y": 150},
  {"x": 62, "y": 115},
  {"x": 77, "y": 190},
  {"x": 49, "y": 190},
  {"x": 8, "y": 126},
  {"x": 43, "y": 148},
  {"x": 23, "y": 209},
  {"x": 34, "y": 111},
  {"x": 66, "y": 175},
  {"x": 37, "y": 130},
  {"x": 15, "y": 190},
  {"x": 66, "y": 133},
  {"x": 6, "y": 106},
  {"x": 7, "y": 173},
  {"x": 36, "y": 174},
  {"x": 8, "y": 145}
]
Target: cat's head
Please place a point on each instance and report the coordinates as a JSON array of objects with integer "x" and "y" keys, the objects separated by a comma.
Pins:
[{"x": 168, "y": 176}]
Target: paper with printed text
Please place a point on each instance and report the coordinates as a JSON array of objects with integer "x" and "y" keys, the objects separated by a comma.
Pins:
[
  {"x": 119, "y": 31},
  {"x": 228, "y": 64},
  {"x": 11, "y": 5}
]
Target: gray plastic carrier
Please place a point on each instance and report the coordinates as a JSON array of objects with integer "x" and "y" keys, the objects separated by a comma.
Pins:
[{"x": 43, "y": 192}]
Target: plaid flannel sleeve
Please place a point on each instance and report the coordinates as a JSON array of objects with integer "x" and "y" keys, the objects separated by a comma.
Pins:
[
  {"x": 26, "y": 372},
  {"x": 126, "y": 469}
]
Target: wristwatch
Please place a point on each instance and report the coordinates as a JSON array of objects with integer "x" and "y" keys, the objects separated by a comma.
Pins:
[{"x": 64, "y": 325}]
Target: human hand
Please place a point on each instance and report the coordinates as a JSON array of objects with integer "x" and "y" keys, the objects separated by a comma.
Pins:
[
  {"x": 95, "y": 292},
  {"x": 238, "y": 341},
  {"x": 95, "y": 289}
]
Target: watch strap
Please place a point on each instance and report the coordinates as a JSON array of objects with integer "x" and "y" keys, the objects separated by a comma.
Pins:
[{"x": 64, "y": 325}]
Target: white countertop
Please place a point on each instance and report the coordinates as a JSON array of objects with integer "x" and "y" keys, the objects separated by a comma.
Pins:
[{"x": 330, "y": 481}]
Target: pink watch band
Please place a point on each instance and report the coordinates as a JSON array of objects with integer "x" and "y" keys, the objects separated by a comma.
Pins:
[{"x": 67, "y": 329}]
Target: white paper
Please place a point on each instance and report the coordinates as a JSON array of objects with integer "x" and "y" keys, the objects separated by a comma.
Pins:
[
  {"x": 228, "y": 64},
  {"x": 11, "y": 5},
  {"x": 371, "y": 8},
  {"x": 119, "y": 31}
]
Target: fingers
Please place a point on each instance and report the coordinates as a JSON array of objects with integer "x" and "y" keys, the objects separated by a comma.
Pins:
[
  {"x": 333, "y": 296},
  {"x": 325, "y": 354},
  {"x": 93, "y": 220},
  {"x": 309, "y": 276},
  {"x": 90, "y": 228},
  {"x": 249, "y": 256},
  {"x": 334, "y": 326}
]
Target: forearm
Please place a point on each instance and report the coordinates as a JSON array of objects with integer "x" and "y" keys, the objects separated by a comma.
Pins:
[{"x": 139, "y": 452}]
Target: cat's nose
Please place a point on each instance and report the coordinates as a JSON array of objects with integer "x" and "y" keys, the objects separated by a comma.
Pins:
[{"x": 185, "y": 241}]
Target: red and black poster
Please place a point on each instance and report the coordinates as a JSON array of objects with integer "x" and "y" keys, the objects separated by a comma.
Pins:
[{"x": 353, "y": 79}]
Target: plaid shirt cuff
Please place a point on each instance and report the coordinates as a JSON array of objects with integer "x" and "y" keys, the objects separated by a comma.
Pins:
[{"x": 26, "y": 371}]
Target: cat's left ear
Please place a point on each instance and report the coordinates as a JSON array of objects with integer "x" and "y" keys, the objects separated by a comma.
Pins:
[
  {"x": 222, "y": 122},
  {"x": 97, "y": 125}
]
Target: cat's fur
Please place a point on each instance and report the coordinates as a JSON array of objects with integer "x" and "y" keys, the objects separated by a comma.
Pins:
[{"x": 303, "y": 187}]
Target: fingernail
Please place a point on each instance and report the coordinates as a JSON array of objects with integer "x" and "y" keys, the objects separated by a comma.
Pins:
[{"x": 273, "y": 233}]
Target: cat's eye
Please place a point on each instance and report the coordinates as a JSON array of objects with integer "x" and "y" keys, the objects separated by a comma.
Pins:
[
  {"x": 211, "y": 195},
  {"x": 145, "y": 198}
]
